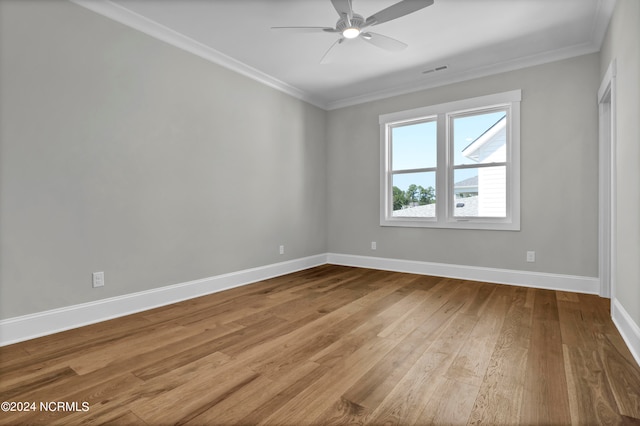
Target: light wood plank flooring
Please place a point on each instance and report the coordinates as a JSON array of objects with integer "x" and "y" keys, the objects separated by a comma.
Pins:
[{"x": 337, "y": 345}]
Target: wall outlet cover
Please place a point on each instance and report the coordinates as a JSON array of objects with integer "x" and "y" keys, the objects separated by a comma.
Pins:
[{"x": 98, "y": 279}]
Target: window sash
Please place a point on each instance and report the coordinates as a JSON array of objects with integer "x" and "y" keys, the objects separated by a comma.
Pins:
[{"x": 444, "y": 114}]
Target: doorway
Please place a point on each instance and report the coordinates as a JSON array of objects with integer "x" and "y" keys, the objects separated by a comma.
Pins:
[{"x": 607, "y": 183}]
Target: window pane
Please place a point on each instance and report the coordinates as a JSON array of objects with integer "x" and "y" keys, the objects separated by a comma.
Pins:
[
  {"x": 480, "y": 192},
  {"x": 480, "y": 138},
  {"x": 414, "y": 194},
  {"x": 414, "y": 146}
]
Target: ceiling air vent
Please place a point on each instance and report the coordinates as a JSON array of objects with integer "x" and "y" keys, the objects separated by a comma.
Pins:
[{"x": 440, "y": 68}]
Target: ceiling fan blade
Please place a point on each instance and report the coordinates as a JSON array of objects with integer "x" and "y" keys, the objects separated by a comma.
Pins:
[
  {"x": 384, "y": 42},
  {"x": 397, "y": 10},
  {"x": 326, "y": 58},
  {"x": 308, "y": 29},
  {"x": 343, "y": 7}
]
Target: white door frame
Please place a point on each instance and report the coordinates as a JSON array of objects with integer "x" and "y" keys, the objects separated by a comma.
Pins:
[{"x": 607, "y": 182}]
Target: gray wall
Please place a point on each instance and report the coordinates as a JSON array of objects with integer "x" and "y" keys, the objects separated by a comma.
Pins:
[
  {"x": 559, "y": 174},
  {"x": 621, "y": 43},
  {"x": 120, "y": 153},
  {"x": 124, "y": 154}
]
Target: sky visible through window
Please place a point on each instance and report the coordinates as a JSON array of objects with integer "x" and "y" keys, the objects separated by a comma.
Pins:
[{"x": 414, "y": 147}]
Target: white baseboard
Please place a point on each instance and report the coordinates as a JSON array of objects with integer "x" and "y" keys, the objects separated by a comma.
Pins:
[
  {"x": 629, "y": 330},
  {"x": 571, "y": 283},
  {"x": 30, "y": 326},
  {"x": 27, "y": 327}
]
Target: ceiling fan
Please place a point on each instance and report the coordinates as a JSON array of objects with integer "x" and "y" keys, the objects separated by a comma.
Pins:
[{"x": 351, "y": 25}]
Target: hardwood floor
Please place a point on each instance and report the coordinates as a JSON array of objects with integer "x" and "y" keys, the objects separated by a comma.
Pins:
[{"x": 337, "y": 345}]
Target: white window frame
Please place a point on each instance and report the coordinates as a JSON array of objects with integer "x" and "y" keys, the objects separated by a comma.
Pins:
[{"x": 509, "y": 101}]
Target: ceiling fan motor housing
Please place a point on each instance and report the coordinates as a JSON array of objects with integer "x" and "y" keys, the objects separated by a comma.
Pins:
[{"x": 356, "y": 21}]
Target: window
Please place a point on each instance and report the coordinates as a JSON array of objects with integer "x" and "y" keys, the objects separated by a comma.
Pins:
[{"x": 453, "y": 165}]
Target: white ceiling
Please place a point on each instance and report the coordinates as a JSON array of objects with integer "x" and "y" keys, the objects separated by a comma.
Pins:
[{"x": 472, "y": 37}]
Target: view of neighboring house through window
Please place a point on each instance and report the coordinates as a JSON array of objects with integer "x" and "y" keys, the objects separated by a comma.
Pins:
[
  {"x": 479, "y": 166},
  {"x": 452, "y": 165}
]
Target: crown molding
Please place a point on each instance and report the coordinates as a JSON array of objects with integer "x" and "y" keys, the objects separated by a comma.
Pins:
[
  {"x": 136, "y": 21},
  {"x": 601, "y": 21},
  {"x": 456, "y": 77},
  {"x": 160, "y": 32}
]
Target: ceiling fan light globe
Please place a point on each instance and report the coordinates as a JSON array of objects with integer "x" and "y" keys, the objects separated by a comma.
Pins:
[{"x": 351, "y": 33}]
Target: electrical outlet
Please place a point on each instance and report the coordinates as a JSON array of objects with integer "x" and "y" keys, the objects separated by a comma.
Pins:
[
  {"x": 98, "y": 279},
  {"x": 531, "y": 256},
  {"x": 373, "y": 245},
  {"x": 281, "y": 249}
]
